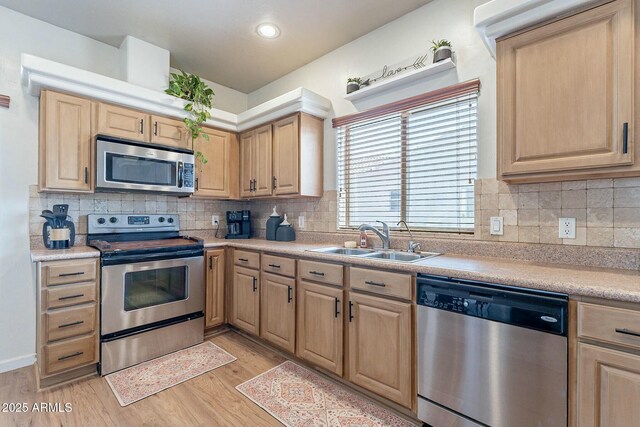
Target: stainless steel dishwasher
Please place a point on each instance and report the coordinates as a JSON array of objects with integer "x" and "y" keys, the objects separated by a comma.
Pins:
[{"x": 490, "y": 355}]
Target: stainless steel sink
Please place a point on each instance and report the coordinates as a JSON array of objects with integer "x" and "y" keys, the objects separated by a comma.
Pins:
[
  {"x": 345, "y": 251},
  {"x": 396, "y": 256}
]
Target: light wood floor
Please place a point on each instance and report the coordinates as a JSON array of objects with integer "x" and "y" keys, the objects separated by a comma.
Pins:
[{"x": 208, "y": 400}]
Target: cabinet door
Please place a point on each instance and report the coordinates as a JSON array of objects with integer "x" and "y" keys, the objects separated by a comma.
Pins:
[
  {"x": 565, "y": 93},
  {"x": 216, "y": 177},
  {"x": 246, "y": 300},
  {"x": 123, "y": 122},
  {"x": 608, "y": 387},
  {"x": 278, "y": 311},
  {"x": 375, "y": 324},
  {"x": 286, "y": 161},
  {"x": 262, "y": 162},
  {"x": 170, "y": 132},
  {"x": 65, "y": 142},
  {"x": 319, "y": 326},
  {"x": 247, "y": 147},
  {"x": 214, "y": 273}
]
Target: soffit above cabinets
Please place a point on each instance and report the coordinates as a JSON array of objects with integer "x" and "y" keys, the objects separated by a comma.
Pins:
[
  {"x": 39, "y": 73},
  {"x": 497, "y": 18}
]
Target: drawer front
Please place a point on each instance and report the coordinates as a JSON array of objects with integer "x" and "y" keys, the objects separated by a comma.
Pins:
[
  {"x": 74, "y": 271},
  {"x": 63, "y": 296},
  {"x": 246, "y": 259},
  {"x": 321, "y": 272},
  {"x": 279, "y": 265},
  {"x": 381, "y": 282},
  {"x": 70, "y": 322},
  {"x": 609, "y": 324},
  {"x": 69, "y": 354}
]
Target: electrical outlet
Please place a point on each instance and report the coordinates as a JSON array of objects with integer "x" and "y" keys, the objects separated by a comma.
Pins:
[
  {"x": 567, "y": 228},
  {"x": 301, "y": 221},
  {"x": 497, "y": 226},
  {"x": 215, "y": 220}
]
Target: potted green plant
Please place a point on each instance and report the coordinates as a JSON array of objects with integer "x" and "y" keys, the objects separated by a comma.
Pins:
[
  {"x": 441, "y": 50},
  {"x": 191, "y": 88},
  {"x": 353, "y": 84}
]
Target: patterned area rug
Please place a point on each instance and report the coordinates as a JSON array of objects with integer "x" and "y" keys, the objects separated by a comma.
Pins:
[
  {"x": 298, "y": 397},
  {"x": 143, "y": 380}
]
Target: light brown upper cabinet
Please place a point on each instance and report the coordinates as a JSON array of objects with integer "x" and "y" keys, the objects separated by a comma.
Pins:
[
  {"x": 566, "y": 97},
  {"x": 170, "y": 132},
  {"x": 123, "y": 122},
  {"x": 219, "y": 176},
  {"x": 65, "y": 143},
  {"x": 283, "y": 159}
]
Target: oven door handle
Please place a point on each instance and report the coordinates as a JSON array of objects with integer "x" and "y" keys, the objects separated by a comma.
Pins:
[
  {"x": 180, "y": 174},
  {"x": 135, "y": 258}
]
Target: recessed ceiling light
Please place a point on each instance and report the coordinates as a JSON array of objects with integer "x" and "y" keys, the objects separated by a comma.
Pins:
[{"x": 268, "y": 31}]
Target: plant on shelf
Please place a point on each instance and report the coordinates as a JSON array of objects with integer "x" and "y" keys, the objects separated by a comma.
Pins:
[
  {"x": 441, "y": 50},
  {"x": 353, "y": 84},
  {"x": 191, "y": 88}
]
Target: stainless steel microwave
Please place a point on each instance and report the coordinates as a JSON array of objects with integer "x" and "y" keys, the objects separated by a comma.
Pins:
[{"x": 130, "y": 166}]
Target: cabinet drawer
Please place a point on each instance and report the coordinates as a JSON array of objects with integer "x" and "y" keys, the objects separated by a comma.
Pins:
[
  {"x": 246, "y": 259},
  {"x": 74, "y": 271},
  {"x": 610, "y": 324},
  {"x": 279, "y": 265},
  {"x": 62, "y": 296},
  {"x": 381, "y": 282},
  {"x": 69, "y": 354},
  {"x": 70, "y": 322},
  {"x": 321, "y": 272}
]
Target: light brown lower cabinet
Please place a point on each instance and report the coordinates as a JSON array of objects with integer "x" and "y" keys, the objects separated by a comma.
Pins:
[
  {"x": 319, "y": 326},
  {"x": 214, "y": 293},
  {"x": 278, "y": 311},
  {"x": 246, "y": 300},
  {"x": 379, "y": 349}
]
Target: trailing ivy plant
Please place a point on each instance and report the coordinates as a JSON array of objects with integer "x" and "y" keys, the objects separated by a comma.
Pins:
[{"x": 191, "y": 88}]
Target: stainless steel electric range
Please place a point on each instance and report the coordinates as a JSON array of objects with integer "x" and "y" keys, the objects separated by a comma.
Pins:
[{"x": 152, "y": 287}]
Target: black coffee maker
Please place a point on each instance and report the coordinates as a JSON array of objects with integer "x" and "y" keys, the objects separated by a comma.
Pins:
[
  {"x": 58, "y": 232},
  {"x": 238, "y": 225}
]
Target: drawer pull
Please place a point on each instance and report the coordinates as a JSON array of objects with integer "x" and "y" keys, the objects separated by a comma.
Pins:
[
  {"x": 76, "y": 354},
  {"x": 336, "y": 306},
  {"x": 627, "y": 332},
  {"x": 317, "y": 273},
  {"x": 368, "y": 282},
  {"x": 243, "y": 259},
  {"x": 70, "y": 297},
  {"x": 77, "y": 273},
  {"x": 66, "y": 325},
  {"x": 274, "y": 266}
]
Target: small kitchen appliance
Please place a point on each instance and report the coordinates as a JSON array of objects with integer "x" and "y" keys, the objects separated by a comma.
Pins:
[
  {"x": 238, "y": 225},
  {"x": 58, "y": 232}
]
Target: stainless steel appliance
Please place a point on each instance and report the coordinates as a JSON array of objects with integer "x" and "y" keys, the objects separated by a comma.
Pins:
[
  {"x": 130, "y": 166},
  {"x": 238, "y": 225},
  {"x": 152, "y": 287},
  {"x": 490, "y": 355}
]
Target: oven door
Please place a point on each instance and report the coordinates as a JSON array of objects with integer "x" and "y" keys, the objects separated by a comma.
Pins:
[
  {"x": 142, "y": 293},
  {"x": 131, "y": 166}
]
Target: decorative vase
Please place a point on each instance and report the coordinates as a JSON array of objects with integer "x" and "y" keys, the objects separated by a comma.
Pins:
[
  {"x": 441, "y": 54},
  {"x": 352, "y": 87}
]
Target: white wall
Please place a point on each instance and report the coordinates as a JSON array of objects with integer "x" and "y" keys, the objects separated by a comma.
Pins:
[
  {"x": 406, "y": 37},
  {"x": 225, "y": 98}
]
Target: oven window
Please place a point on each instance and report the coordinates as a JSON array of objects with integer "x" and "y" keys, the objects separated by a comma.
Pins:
[
  {"x": 138, "y": 170},
  {"x": 154, "y": 287}
]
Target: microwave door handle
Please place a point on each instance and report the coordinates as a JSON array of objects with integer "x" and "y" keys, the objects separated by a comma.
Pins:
[{"x": 180, "y": 174}]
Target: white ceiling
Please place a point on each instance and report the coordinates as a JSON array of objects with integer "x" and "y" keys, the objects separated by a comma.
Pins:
[{"x": 216, "y": 39}]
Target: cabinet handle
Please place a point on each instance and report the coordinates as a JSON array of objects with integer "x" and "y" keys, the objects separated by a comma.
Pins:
[
  {"x": 625, "y": 138},
  {"x": 336, "y": 311},
  {"x": 350, "y": 311},
  {"x": 86, "y": 175},
  {"x": 255, "y": 284},
  {"x": 243, "y": 259},
  {"x": 627, "y": 332},
  {"x": 142, "y": 126},
  {"x": 255, "y": 185},
  {"x": 368, "y": 282},
  {"x": 289, "y": 297},
  {"x": 78, "y": 353},
  {"x": 210, "y": 262},
  {"x": 77, "y": 273},
  {"x": 274, "y": 266},
  {"x": 197, "y": 184},
  {"x": 155, "y": 128},
  {"x": 275, "y": 180},
  {"x": 66, "y": 325},
  {"x": 317, "y": 273},
  {"x": 70, "y": 297}
]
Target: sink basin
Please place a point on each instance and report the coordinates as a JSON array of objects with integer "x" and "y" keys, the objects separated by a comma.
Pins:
[
  {"x": 401, "y": 256},
  {"x": 345, "y": 251}
]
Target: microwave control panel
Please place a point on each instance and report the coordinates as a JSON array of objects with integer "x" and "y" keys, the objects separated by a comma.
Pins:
[{"x": 188, "y": 175}]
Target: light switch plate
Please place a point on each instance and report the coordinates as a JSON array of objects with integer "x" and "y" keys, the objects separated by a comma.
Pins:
[
  {"x": 496, "y": 226},
  {"x": 301, "y": 221},
  {"x": 567, "y": 228}
]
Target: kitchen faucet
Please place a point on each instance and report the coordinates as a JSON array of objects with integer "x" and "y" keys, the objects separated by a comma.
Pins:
[
  {"x": 384, "y": 235},
  {"x": 412, "y": 246}
]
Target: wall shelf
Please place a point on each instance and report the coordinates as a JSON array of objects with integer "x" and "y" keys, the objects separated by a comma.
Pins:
[{"x": 401, "y": 79}]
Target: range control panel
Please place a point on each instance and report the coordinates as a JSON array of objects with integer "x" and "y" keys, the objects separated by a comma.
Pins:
[{"x": 123, "y": 223}]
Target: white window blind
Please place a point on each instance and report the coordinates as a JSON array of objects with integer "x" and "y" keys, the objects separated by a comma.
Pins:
[{"x": 416, "y": 165}]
